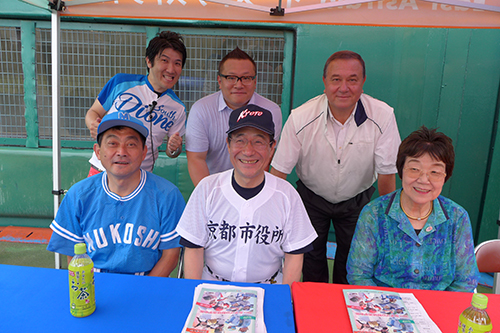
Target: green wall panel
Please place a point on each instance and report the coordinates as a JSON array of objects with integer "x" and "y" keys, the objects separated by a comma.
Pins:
[
  {"x": 29, "y": 72},
  {"x": 432, "y": 82},
  {"x": 19, "y": 10},
  {"x": 482, "y": 98},
  {"x": 451, "y": 114},
  {"x": 488, "y": 228},
  {"x": 472, "y": 116},
  {"x": 26, "y": 183}
]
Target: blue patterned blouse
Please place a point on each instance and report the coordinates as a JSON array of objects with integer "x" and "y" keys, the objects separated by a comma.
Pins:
[{"x": 386, "y": 251}]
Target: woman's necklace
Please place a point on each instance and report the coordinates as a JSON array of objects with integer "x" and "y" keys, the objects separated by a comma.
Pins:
[{"x": 417, "y": 218}]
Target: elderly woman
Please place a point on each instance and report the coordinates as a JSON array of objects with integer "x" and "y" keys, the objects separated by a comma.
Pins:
[{"x": 413, "y": 237}]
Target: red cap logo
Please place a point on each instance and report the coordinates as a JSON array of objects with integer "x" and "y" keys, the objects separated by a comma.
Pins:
[{"x": 246, "y": 113}]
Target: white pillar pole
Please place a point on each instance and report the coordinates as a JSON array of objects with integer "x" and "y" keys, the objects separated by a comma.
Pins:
[{"x": 56, "y": 142}]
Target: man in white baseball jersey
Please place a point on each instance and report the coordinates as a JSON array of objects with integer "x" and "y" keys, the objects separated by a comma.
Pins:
[
  {"x": 125, "y": 215},
  {"x": 239, "y": 224}
]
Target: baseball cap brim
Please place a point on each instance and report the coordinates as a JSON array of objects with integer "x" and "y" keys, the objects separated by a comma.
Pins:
[
  {"x": 265, "y": 130},
  {"x": 113, "y": 120}
]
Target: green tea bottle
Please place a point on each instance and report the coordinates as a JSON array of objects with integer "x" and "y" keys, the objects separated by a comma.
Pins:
[
  {"x": 81, "y": 283},
  {"x": 474, "y": 319}
]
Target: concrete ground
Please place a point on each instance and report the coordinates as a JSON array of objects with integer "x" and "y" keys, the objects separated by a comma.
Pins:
[
  {"x": 35, "y": 255},
  {"x": 25, "y": 246},
  {"x": 26, "y": 254}
]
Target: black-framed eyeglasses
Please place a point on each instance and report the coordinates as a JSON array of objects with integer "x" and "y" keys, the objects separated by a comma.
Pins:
[{"x": 233, "y": 79}]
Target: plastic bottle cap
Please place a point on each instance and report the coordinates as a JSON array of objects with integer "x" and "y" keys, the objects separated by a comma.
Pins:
[
  {"x": 480, "y": 301},
  {"x": 81, "y": 248}
]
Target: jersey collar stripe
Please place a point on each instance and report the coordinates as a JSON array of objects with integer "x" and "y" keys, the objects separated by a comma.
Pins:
[
  {"x": 65, "y": 233},
  {"x": 128, "y": 197},
  {"x": 104, "y": 181},
  {"x": 139, "y": 187}
]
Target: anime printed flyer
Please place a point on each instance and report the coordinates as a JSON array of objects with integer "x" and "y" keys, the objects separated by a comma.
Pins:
[
  {"x": 373, "y": 311},
  {"x": 223, "y": 308},
  {"x": 386, "y": 312}
]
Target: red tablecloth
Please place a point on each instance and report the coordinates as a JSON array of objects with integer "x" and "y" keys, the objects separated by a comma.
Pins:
[{"x": 320, "y": 307}]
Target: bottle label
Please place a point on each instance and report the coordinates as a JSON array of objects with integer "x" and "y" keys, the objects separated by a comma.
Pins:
[
  {"x": 467, "y": 326},
  {"x": 81, "y": 290}
]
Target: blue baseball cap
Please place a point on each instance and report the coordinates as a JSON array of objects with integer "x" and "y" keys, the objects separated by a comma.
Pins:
[
  {"x": 115, "y": 119},
  {"x": 254, "y": 116}
]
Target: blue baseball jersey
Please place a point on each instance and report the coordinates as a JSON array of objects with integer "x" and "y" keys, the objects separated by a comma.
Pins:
[
  {"x": 162, "y": 115},
  {"x": 123, "y": 234}
]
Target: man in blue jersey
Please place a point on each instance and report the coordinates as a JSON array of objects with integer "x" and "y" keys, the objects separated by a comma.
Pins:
[
  {"x": 125, "y": 215},
  {"x": 148, "y": 98}
]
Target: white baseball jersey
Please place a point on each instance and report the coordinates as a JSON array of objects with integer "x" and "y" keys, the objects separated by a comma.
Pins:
[
  {"x": 245, "y": 240},
  {"x": 134, "y": 94},
  {"x": 123, "y": 234}
]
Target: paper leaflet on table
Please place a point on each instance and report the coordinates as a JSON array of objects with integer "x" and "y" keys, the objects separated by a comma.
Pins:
[
  {"x": 386, "y": 312},
  {"x": 223, "y": 308}
]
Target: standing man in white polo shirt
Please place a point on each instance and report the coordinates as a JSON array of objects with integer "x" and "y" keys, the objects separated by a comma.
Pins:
[
  {"x": 340, "y": 142},
  {"x": 207, "y": 123}
]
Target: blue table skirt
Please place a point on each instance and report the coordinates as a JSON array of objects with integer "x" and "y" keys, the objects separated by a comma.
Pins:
[{"x": 37, "y": 300}]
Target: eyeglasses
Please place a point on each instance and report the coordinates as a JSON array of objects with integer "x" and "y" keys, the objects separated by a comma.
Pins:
[
  {"x": 257, "y": 144},
  {"x": 233, "y": 79},
  {"x": 432, "y": 175}
]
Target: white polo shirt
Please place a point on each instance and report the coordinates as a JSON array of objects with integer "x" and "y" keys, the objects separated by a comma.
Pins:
[{"x": 339, "y": 171}]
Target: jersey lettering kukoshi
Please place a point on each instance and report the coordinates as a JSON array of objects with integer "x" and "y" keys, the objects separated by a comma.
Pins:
[
  {"x": 245, "y": 240},
  {"x": 123, "y": 234},
  {"x": 135, "y": 95}
]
